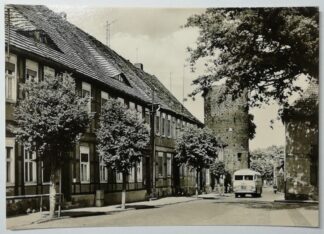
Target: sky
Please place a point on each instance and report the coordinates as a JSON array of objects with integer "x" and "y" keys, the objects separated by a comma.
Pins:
[{"x": 156, "y": 38}]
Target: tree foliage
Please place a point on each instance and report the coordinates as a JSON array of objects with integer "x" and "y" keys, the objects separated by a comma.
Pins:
[
  {"x": 262, "y": 49},
  {"x": 51, "y": 116},
  {"x": 50, "y": 119},
  {"x": 264, "y": 160},
  {"x": 218, "y": 168},
  {"x": 197, "y": 148},
  {"x": 122, "y": 136}
]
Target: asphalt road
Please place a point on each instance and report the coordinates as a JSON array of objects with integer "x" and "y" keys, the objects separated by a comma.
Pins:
[{"x": 208, "y": 211}]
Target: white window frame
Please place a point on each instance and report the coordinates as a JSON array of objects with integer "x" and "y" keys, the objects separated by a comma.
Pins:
[
  {"x": 139, "y": 171},
  {"x": 168, "y": 126},
  {"x": 169, "y": 164},
  {"x": 163, "y": 125},
  {"x": 121, "y": 100},
  {"x": 207, "y": 177},
  {"x": 48, "y": 72},
  {"x": 85, "y": 150},
  {"x": 131, "y": 176},
  {"x": 10, "y": 143},
  {"x": 32, "y": 162},
  {"x": 158, "y": 116},
  {"x": 160, "y": 155},
  {"x": 140, "y": 111},
  {"x": 132, "y": 106},
  {"x": 12, "y": 59},
  {"x": 87, "y": 87},
  {"x": 32, "y": 65},
  {"x": 103, "y": 96},
  {"x": 119, "y": 177},
  {"x": 103, "y": 171}
]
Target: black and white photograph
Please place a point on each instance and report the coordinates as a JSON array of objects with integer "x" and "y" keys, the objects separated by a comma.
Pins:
[{"x": 139, "y": 116}]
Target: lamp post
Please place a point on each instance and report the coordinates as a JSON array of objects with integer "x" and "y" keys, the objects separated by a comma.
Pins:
[{"x": 152, "y": 185}]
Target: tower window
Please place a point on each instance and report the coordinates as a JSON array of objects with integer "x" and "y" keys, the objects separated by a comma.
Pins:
[{"x": 239, "y": 157}]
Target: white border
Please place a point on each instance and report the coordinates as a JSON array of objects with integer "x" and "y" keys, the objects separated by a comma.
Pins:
[{"x": 161, "y": 3}]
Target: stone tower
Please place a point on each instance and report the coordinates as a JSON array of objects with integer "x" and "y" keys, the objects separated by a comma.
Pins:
[{"x": 230, "y": 121}]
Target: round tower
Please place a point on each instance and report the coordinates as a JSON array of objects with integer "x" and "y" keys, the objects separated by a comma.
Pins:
[{"x": 229, "y": 119}]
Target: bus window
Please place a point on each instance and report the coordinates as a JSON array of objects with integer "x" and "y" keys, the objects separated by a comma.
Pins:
[
  {"x": 248, "y": 177},
  {"x": 238, "y": 177}
]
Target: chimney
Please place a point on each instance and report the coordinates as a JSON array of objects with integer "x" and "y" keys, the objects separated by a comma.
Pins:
[
  {"x": 139, "y": 66},
  {"x": 63, "y": 15}
]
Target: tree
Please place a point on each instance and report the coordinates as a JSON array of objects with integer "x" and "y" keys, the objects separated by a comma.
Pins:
[
  {"x": 197, "y": 148},
  {"x": 50, "y": 120},
  {"x": 264, "y": 160},
  {"x": 262, "y": 49},
  {"x": 122, "y": 139},
  {"x": 217, "y": 168}
]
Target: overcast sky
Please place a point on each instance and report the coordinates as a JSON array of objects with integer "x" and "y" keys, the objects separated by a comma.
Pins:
[{"x": 154, "y": 37}]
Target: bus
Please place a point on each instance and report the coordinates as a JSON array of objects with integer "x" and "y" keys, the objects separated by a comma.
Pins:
[{"x": 246, "y": 181}]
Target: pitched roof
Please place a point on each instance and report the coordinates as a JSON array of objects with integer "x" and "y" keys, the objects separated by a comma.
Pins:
[{"x": 84, "y": 54}]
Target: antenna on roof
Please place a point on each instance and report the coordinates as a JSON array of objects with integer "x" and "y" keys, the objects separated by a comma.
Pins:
[
  {"x": 170, "y": 82},
  {"x": 108, "y": 24}
]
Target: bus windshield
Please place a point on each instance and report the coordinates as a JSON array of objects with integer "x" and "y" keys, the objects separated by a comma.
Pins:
[
  {"x": 248, "y": 177},
  {"x": 238, "y": 177}
]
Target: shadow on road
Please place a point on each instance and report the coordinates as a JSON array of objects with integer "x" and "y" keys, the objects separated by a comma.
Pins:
[{"x": 280, "y": 206}]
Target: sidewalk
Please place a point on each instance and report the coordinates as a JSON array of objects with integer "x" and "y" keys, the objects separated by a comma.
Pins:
[{"x": 38, "y": 217}]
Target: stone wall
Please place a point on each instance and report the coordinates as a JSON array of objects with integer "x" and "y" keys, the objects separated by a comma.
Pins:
[
  {"x": 301, "y": 160},
  {"x": 229, "y": 120}
]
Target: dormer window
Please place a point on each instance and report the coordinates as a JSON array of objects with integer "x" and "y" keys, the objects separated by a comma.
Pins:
[
  {"x": 41, "y": 37},
  {"x": 121, "y": 78}
]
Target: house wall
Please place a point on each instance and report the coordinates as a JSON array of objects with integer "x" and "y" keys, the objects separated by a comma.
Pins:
[
  {"x": 301, "y": 164},
  {"x": 75, "y": 191},
  {"x": 229, "y": 121}
]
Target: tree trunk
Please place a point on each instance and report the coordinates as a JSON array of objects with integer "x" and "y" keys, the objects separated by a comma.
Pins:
[
  {"x": 53, "y": 191},
  {"x": 124, "y": 192},
  {"x": 197, "y": 171}
]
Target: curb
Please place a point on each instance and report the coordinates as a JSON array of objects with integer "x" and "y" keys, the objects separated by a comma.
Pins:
[{"x": 297, "y": 202}]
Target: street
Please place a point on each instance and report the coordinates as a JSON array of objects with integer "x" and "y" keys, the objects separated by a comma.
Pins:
[{"x": 207, "y": 210}]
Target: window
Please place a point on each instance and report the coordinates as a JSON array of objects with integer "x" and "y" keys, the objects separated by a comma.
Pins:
[
  {"x": 49, "y": 72},
  {"x": 163, "y": 130},
  {"x": 29, "y": 166},
  {"x": 121, "y": 100},
  {"x": 31, "y": 70},
  {"x": 104, "y": 98},
  {"x": 169, "y": 164},
  {"x": 174, "y": 127},
  {"x": 139, "y": 174},
  {"x": 140, "y": 111},
  {"x": 131, "y": 176},
  {"x": 239, "y": 157},
  {"x": 207, "y": 177},
  {"x": 238, "y": 177},
  {"x": 10, "y": 160},
  {"x": 132, "y": 105},
  {"x": 178, "y": 127},
  {"x": 86, "y": 92},
  {"x": 168, "y": 127},
  {"x": 248, "y": 177},
  {"x": 46, "y": 174},
  {"x": 160, "y": 164},
  {"x": 157, "y": 123},
  {"x": 119, "y": 177},
  {"x": 84, "y": 164},
  {"x": 11, "y": 78},
  {"x": 147, "y": 115},
  {"x": 103, "y": 170}
]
